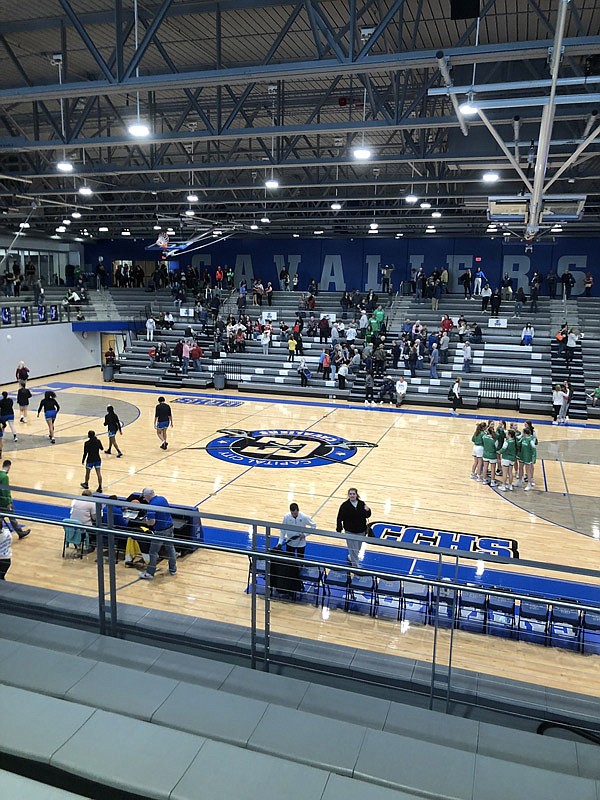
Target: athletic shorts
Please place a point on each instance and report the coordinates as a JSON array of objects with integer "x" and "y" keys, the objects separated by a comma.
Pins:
[
  {"x": 50, "y": 414},
  {"x": 7, "y": 417},
  {"x": 112, "y": 433},
  {"x": 93, "y": 464},
  {"x": 162, "y": 425},
  {"x": 506, "y": 463},
  {"x": 478, "y": 451},
  {"x": 490, "y": 460}
]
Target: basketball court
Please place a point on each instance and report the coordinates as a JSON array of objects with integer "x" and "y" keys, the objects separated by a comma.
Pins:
[{"x": 249, "y": 457}]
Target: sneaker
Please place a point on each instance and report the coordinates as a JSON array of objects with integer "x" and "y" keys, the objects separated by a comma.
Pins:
[
  {"x": 119, "y": 454},
  {"x": 527, "y": 488},
  {"x": 15, "y": 437},
  {"x": 24, "y": 533},
  {"x": 502, "y": 488},
  {"x": 493, "y": 483},
  {"x": 518, "y": 484},
  {"x": 99, "y": 490},
  {"x": 472, "y": 476},
  {"x": 22, "y": 419},
  {"x": 108, "y": 453},
  {"x": 555, "y": 422},
  {"x": 53, "y": 441},
  {"x": 172, "y": 572},
  {"x": 512, "y": 487},
  {"x": 84, "y": 485},
  {"x": 479, "y": 479},
  {"x": 532, "y": 483},
  {"x": 145, "y": 576},
  {"x": 163, "y": 446}
]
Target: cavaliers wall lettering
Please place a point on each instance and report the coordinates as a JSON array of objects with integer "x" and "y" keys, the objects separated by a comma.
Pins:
[{"x": 451, "y": 540}]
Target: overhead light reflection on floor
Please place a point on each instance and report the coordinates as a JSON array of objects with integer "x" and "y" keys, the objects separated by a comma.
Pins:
[
  {"x": 325, "y": 613},
  {"x": 404, "y": 626},
  {"x": 480, "y": 568},
  {"x": 387, "y": 506}
]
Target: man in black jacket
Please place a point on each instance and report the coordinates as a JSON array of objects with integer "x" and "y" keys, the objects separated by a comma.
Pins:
[{"x": 352, "y": 517}]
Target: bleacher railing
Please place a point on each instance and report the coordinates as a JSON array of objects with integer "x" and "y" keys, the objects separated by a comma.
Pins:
[
  {"x": 417, "y": 588},
  {"x": 500, "y": 390}
]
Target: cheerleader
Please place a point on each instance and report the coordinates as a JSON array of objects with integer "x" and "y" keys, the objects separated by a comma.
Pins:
[
  {"x": 534, "y": 444},
  {"x": 477, "y": 440},
  {"x": 508, "y": 455},
  {"x": 526, "y": 455}
]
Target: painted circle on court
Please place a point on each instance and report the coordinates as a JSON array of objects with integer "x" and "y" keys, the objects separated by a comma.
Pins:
[{"x": 282, "y": 449}]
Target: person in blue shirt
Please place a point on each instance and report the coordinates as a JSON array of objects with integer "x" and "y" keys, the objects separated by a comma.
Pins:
[
  {"x": 160, "y": 521},
  {"x": 480, "y": 280},
  {"x": 119, "y": 520}
]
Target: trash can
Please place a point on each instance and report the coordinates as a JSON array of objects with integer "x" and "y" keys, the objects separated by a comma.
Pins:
[
  {"x": 219, "y": 380},
  {"x": 108, "y": 371}
]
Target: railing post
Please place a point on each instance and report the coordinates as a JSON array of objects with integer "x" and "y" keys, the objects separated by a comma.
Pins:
[
  {"x": 112, "y": 577},
  {"x": 253, "y": 600},
  {"x": 435, "y": 633},
  {"x": 267, "y": 598},
  {"x": 100, "y": 570}
]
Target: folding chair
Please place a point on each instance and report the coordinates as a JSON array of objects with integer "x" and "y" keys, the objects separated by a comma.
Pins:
[{"x": 73, "y": 536}]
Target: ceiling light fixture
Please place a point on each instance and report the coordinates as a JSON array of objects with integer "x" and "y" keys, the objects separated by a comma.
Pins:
[
  {"x": 86, "y": 191},
  {"x": 192, "y": 198},
  {"x": 411, "y": 198},
  {"x": 490, "y": 177},
  {"x": 61, "y": 229},
  {"x": 436, "y": 214},
  {"x": 374, "y": 226},
  {"x": 363, "y": 153},
  {"x": 265, "y": 220},
  {"x": 425, "y": 205},
  {"x": 156, "y": 228},
  {"x": 189, "y": 212},
  {"x": 430, "y": 230},
  {"x": 76, "y": 214},
  {"x": 335, "y": 206},
  {"x": 296, "y": 235},
  {"x": 103, "y": 229},
  {"x": 125, "y": 233},
  {"x": 468, "y": 108},
  {"x": 66, "y": 222},
  {"x": 317, "y": 233},
  {"x": 64, "y": 165},
  {"x": 24, "y": 225},
  {"x": 137, "y": 127},
  {"x": 254, "y": 227},
  {"x": 271, "y": 183}
]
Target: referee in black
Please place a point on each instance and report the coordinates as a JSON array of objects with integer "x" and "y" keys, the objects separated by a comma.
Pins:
[{"x": 163, "y": 420}]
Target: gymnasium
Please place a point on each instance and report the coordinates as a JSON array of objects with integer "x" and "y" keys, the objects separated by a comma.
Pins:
[{"x": 291, "y": 264}]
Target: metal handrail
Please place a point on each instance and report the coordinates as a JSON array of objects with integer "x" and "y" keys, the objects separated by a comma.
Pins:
[{"x": 545, "y": 726}]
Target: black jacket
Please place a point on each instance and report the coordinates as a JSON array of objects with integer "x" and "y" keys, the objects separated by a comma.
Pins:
[{"x": 352, "y": 520}]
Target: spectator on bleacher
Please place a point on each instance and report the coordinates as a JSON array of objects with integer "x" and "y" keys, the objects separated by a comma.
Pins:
[
  {"x": 371, "y": 301},
  {"x": 324, "y": 329},
  {"x": 369, "y": 388},
  {"x": 534, "y": 294},
  {"x": 396, "y": 353},
  {"x": 454, "y": 395},
  {"x": 269, "y": 293},
  {"x": 420, "y": 285},
  {"x": 346, "y": 303},
  {"x": 561, "y": 338},
  {"x": 436, "y": 294},
  {"x": 465, "y": 279},
  {"x": 445, "y": 279},
  {"x": 467, "y": 357},
  {"x": 313, "y": 287},
  {"x": 304, "y": 372},
  {"x": 215, "y": 305},
  {"x": 150, "y": 328},
  {"x": 311, "y": 302},
  {"x": 486, "y": 293},
  {"x": 527, "y": 334},
  {"x": 413, "y": 359},
  {"x": 566, "y": 395},
  {"x": 196, "y": 355},
  {"x": 572, "y": 338},
  {"x": 283, "y": 274},
  {"x": 351, "y": 333},
  {"x": 520, "y": 301},
  {"x": 219, "y": 277},
  {"x": 355, "y": 362},
  {"x": 168, "y": 320},
  {"x": 461, "y": 328},
  {"x": 557, "y": 398},
  {"x": 379, "y": 360},
  {"x": 185, "y": 357},
  {"x": 326, "y": 365},
  {"x": 416, "y": 329},
  {"x": 506, "y": 287},
  {"x": 265, "y": 340},
  {"x": 568, "y": 282},
  {"x": 433, "y": 338},
  {"x": 476, "y": 334},
  {"x": 588, "y": 282},
  {"x": 295, "y": 281},
  {"x": 495, "y": 302},
  {"x": 433, "y": 361},
  {"x": 594, "y": 396},
  {"x": 551, "y": 280},
  {"x": 386, "y": 389},
  {"x": 292, "y": 345},
  {"x": 400, "y": 391},
  {"x": 363, "y": 324},
  {"x": 342, "y": 374},
  {"x": 444, "y": 347},
  {"x": 229, "y": 277},
  {"x": 479, "y": 282}
]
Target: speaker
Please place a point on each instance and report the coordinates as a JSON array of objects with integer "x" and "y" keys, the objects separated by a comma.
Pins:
[{"x": 464, "y": 9}]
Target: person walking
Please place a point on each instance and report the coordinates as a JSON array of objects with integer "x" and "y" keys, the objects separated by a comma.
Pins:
[
  {"x": 369, "y": 388},
  {"x": 150, "y": 328},
  {"x": 455, "y": 397},
  {"x": 22, "y": 372},
  {"x": 113, "y": 424},
  {"x": 91, "y": 459},
  {"x": 557, "y": 398},
  {"x": 292, "y": 344},
  {"x": 185, "y": 357},
  {"x": 265, "y": 340},
  {"x": 572, "y": 339},
  {"x": 163, "y": 420},
  {"x": 49, "y": 405},
  {"x": 352, "y": 518},
  {"x": 159, "y": 519},
  {"x": 6, "y": 501},
  {"x": 433, "y": 361},
  {"x": 295, "y": 540},
  {"x": 23, "y": 396},
  {"x": 5, "y": 551},
  {"x": 467, "y": 357},
  {"x": 7, "y": 414}
]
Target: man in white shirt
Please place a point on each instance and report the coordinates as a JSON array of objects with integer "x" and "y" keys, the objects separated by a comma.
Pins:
[
  {"x": 401, "y": 387},
  {"x": 351, "y": 333},
  {"x": 295, "y": 540}
]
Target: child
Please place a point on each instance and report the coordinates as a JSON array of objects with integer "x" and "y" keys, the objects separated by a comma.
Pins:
[{"x": 23, "y": 396}]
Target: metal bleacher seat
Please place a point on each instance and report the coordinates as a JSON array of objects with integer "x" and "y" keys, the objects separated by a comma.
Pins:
[
  {"x": 565, "y": 628},
  {"x": 472, "y": 612},
  {"x": 388, "y": 598},
  {"x": 415, "y": 602},
  {"x": 501, "y": 616},
  {"x": 534, "y": 618},
  {"x": 590, "y": 632}
]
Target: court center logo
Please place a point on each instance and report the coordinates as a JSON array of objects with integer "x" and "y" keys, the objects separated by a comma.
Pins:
[{"x": 282, "y": 449}]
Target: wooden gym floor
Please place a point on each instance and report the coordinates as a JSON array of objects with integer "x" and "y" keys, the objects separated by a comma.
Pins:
[{"x": 417, "y": 475}]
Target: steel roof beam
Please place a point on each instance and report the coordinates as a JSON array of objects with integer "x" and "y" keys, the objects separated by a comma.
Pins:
[
  {"x": 391, "y": 62},
  {"x": 86, "y": 38}
]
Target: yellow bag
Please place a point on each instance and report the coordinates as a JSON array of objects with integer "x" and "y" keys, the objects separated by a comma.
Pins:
[{"x": 132, "y": 550}]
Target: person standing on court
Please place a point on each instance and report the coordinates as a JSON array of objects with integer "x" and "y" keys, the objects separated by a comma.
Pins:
[
  {"x": 49, "y": 405},
  {"x": 91, "y": 459},
  {"x": 23, "y": 396},
  {"x": 5, "y": 550},
  {"x": 352, "y": 518},
  {"x": 163, "y": 420},
  {"x": 113, "y": 424},
  {"x": 6, "y": 502},
  {"x": 160, "y": 520},
  {"x": 295, "y": 541},
  {"x": 7, "y": 414}
]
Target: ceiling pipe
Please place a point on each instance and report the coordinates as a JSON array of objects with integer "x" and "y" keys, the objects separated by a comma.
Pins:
[
  {"x": 514, "y": 86},
  {"x": 505, "y": 150},
  {"x": 543, "y": 150},
  {"x": 588, "y": 125},
  {"x": 516, "y": 130},
  {"x": 573, "y": 158},
  {"x": 445, "y": 72}
]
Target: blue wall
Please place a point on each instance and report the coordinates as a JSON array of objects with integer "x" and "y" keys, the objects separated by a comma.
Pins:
[{"x": 338, "y": 264}]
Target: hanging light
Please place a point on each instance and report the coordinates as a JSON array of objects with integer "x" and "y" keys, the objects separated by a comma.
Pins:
[
  {"x": 103, "y": 229},
  {"x": 272, "y": 183},
  {"x": 76, "y": 214},
  {"x": 192, "y": 198},
  {"x": 137, "y": 127},
  {"x": 254, "y": 227},
  {"x": 373, "y": 226},
  {"x": 86, "y": 191},
  {"x": 66, "y": 222},
  {"x": 363, "y": 153},
  {"x": 425, "y": 204},
  {"x": 189, "y": 212},
  {"x": 63, "y": 165},
  {"x": 265, "y": 220},
  {"x": 335, "y": 206},
  {"x": 490, "y": 177},
  {"x": 411, "y": 198}
]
